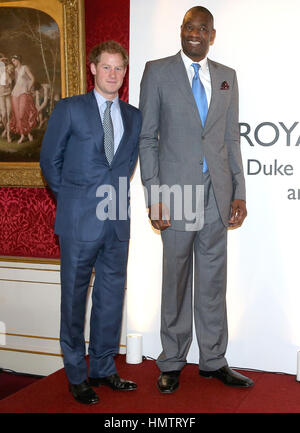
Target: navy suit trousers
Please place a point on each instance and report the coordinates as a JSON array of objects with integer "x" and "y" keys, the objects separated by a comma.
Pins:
[{"x": 108, "y": 256}]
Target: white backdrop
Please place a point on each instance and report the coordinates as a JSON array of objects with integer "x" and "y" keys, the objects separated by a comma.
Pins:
[{"x": 260, "y": 39}]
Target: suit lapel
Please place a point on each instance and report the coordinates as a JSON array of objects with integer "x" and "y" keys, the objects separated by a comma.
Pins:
[
  {"x": 215, "y": 81},
  {"x": 179, "y": 74},
  {"x": 126, "y": 125},
  {"x": 94, "y": 120}
]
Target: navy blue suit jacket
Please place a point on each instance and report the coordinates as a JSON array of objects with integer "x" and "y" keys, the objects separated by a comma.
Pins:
[{"x": 73, "y": 163}]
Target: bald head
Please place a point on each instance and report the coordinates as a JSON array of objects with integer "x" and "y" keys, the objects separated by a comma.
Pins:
[{"x": 199, "y": 9}]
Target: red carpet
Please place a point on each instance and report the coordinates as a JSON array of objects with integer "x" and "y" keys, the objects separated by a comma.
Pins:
[
  {"x": 11, "y": 382},
  {"x": 272, "y": 393}
]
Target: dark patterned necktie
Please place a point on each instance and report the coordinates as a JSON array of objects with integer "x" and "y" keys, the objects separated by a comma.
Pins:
[
  {"x": 201, "y": 100},
  {"x": 108, "y": 133}
]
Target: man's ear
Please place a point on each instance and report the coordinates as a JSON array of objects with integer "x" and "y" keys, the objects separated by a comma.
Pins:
[
  {"x": 212, "y": 37},
  {"x": 93, "y": 68}
]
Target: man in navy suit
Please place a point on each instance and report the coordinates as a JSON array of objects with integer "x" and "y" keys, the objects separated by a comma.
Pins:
[{"x": 88, "y": 156}]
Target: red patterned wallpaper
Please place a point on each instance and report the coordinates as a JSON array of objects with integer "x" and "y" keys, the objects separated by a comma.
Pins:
[
  {"x": 27, "y": 214},
  {"x": 26, "y": 223},
  {"x": 106, "y": 20}
]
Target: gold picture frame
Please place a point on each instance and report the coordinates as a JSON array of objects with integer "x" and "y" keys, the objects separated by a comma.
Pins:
[{"x": 69, "y": 16}]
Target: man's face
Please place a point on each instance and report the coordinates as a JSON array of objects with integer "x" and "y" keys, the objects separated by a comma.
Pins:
[
  {"x": 108, "y": 74},
  {"x": 197, "y": 34}
]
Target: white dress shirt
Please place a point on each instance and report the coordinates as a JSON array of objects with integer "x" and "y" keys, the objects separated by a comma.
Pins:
[
  {"x": 115, "y": 116},
  {"x": 203, "y": 73}
]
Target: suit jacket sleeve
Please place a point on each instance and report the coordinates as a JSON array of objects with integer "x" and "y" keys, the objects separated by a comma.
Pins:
[
  {"x": 232, "y": 140},
  {"x": 148, "y": 149},
  {"x": 54, "y": 144}
]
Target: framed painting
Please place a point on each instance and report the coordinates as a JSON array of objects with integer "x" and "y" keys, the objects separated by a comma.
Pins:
[{"x": 42, "y": 59}]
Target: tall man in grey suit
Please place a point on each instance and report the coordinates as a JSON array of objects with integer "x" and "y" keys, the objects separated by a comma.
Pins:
[{"x": 190, "y": 138}]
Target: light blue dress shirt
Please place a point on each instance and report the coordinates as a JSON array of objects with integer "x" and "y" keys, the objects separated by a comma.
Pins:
[{"x": 115, "y": 116}]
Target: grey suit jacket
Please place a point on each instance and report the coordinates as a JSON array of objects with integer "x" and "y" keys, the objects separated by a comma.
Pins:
[{"x": 173, "y": 142}]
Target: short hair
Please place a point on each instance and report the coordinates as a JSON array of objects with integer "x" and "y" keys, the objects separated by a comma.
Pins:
[
  {"x": 111, "y": 47},
  {"x": 201, "y": 9}
]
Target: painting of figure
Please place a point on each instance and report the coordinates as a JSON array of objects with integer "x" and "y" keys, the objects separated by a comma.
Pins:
[{"x": 30, "y": 80}]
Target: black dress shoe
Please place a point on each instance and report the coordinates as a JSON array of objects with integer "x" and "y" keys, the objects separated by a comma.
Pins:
[
  {"x": 84, "y": 393},
  {"x": 228, "y": 377},
  {"x": 168, "y": 382},
  {"x": 114, "y": 381}
]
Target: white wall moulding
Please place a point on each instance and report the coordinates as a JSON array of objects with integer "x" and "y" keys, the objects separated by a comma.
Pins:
[{"x": 30, "y": 317}]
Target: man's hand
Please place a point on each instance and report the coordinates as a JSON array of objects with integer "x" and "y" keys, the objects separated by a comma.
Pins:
[
  {"x": 238, "y": 213},
  {"x": 159, "y": 216}
]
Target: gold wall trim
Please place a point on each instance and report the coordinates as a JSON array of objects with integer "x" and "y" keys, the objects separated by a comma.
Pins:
[
  {"x": 15, "y": 259},
  {"x": 33, "y": 352},
  {"x": 31, "y": 336},
  {"x": 30, "y": 282},
  {"x": 35, "y": 282},
  {"x": 29, "y": 269},
  {"x": 40, "y": 337},
  {"x": 28, "y": 336}
]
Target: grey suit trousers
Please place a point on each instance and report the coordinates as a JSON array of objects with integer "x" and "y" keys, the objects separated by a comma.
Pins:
[{"x": 203, "y": 255}]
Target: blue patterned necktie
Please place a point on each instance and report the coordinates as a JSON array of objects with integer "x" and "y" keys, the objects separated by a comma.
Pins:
[
  {"x": 108, "y": 133},
  {"x": 201, "y": 100}
]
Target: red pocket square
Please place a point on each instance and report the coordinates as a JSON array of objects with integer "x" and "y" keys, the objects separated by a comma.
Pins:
[{"x": 224, "y": 86}]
